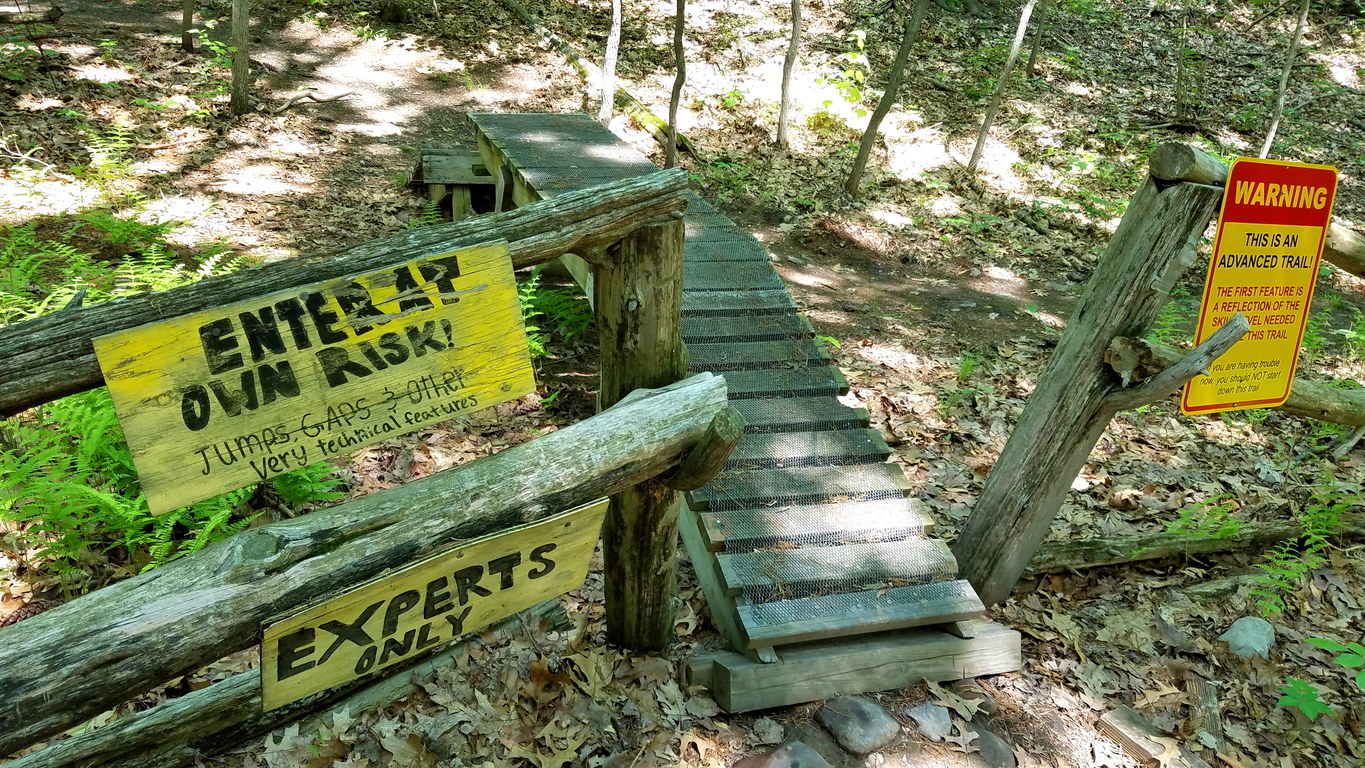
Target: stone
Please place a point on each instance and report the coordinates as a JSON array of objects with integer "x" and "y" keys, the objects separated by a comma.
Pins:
[
  {"x": 994, "y": 751},
  {"x": 933, "y": 721},
  {"x": 1250, "y": 636},
  {"x": 818, "y": 739},
  {"x": 858, "y": 724},
  {"x": 793, "y": 754}
]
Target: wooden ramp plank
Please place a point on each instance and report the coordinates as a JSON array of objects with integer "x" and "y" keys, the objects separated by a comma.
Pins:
[
  {"x": 730, "y": 276},
  {"x": 703, "y": 303},
  {"x": 817, "y": 618},
  {"x": 801, "y": 485},
  {"x": 845, "y": 567},
  {"x": 798, "y": 414},
  {"x": 721, "y": 328},
  {"x": 740, "y": 356},
  {"x": 882, "y": 661},
  {"x": 724, "y": 251},
  {"x": 740, "y": 530},
  {"x": 802, "y": 381},
  {"x": 774, "y": 450},
  {"x": 723, "y": 611}
]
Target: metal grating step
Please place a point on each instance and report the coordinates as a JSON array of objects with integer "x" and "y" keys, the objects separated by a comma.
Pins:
[
  {"x": 803, "y": 381},
  {"x": 813, "y": 618},
  {"x": 729, "y": 276},
  {"x": 798, "y": 414},
  {"x": 740, "y": 356},
  {"x": 724, "y": 251},
  {"x": 704, "y": 303},
  {"x": 743, "y": 530},
  {"x": 783, "y": 574},
  {"x": 774, "y": 450},
  {"x": 800, "y": 485},
  {"x": 702, "y": 330}
]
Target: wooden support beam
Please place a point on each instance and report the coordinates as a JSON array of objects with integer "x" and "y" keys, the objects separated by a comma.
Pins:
[
  {"x": 51, "y": 356},
  {"x": 1144, "y": 743},
  {"x": 638, "y": 301},
  {"x": 1069, "y": 409},
  {"x": 710, "y": 454},
  {"x": 1344, "y": 248},
  {"x": 70, "y": 663}
]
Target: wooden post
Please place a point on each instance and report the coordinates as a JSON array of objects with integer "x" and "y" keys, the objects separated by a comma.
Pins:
[
  {"x": 638, "y": 301},
  {"x": 187, "y": 25},
  {"x": 1071, "y": 405}
]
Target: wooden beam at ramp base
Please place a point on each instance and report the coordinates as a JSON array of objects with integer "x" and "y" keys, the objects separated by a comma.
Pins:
[{"x": 878, "y": 662}]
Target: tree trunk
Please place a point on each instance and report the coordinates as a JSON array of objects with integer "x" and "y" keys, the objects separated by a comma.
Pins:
[
  {"x": 1345, "y": 248},
  {"x": 1069, "y": 408},
  {"x": 912, "y": 25},
  {"x": 51, "y": 356},
  {"x": 1284, "y": 80},
  {"x": 1002, "y": 85},
  {"x": 70, "y": 663},
  {"x": 1030, "y": 67},
  {"x": 789, "y": 64},
  {"x": 638, "y": 302},
  {"x": 241, "y": 63},
  {"x": 187, "y": 25},
  {"x": 1080, "y": 554},
  {"x": 679, "y": 77},
  {"x": 609, "y": 65}
]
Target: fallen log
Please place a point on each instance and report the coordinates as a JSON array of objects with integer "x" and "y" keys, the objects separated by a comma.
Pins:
[
  {"x": 51, "y": 356},
  {"x": 228, "y": 712},
  {"x": 1081, "y": 554},
  {"x": 1344, "y": 248},
  {"x": 70, "y": 663},
  {"x": 1135, "y": 359}
]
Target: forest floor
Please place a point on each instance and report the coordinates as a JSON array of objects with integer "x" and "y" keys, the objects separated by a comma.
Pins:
[{"x": 943, "y": 296}]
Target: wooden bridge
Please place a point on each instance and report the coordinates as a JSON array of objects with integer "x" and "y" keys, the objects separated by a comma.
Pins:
[{"x": 818, "y": 566}]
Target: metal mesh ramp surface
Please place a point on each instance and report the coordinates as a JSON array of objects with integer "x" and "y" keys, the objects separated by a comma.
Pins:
[{"x": 808, "y": 533}]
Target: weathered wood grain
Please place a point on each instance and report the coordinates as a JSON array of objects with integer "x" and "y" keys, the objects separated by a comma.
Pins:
[
  {"x": 738, "y": 530},
  {"x": 52, "y": 356},
  {"x": 801, "y": 485},
  {"x": 803, "y": 569},
  {"x": 1066, "y": 414},
  {"x": 75, "y": 661},
  {"x": 878, "y": 610},
  {"x": 638, "y": 299}
]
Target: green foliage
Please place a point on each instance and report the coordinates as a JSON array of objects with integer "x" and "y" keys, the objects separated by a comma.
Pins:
[
  {"x": 830, "y": 340},
  {"x": 1211, "y": 517},
  {"x": 68, "y": 490},
  {"x": 1288, "y": 563},
  {"x": 1175, "y": 321},
  {"x": 20, "y": 54},
  {"x": 852, "y": 77},
  {"x": 1349, "y": 655},
  {"x": 1353, "y": 338},
  {"x": 1303, "y": 696},
  {"x": 431, "y": 214},
  {"x": 547, "y": 310}
]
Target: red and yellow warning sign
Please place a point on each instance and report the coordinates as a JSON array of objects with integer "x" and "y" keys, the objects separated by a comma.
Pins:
[{"x": 1265, "y": 264}]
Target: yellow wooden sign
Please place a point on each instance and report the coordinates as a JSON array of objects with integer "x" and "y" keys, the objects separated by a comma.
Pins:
[
  {"x": 220, "y": 399},
  {"x": 379, "y": 624},
  {"x": 1271, "y": 232}
]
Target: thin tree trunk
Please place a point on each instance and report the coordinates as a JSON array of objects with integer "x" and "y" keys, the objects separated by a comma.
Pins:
[
  {"x": 241, "y": 65},
  {"x": 788, "y": 64},
  {"x": 680, "y": 77},
  {"x": 1001, "y": 85},
  {"x": 1284, "y": 80},
  {"x": 912, "y": 25},
  {"x": 609, "y": 65},
  {"x": 1037, "y": 39},
  {"x": 187, "y": 25}
]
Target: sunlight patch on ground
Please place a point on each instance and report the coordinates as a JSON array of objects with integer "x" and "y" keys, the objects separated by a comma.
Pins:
[
  {"x": 263, "y": 179},
  {"x": 102, "y": 73},
  {"x": 22, "y": 200},
  {"x": 918, "y": 153}
]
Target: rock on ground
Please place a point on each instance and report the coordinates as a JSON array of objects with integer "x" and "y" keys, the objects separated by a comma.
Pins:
[
  {"x": 858, "y": 724},
  {"x": 793, "y": 754}
]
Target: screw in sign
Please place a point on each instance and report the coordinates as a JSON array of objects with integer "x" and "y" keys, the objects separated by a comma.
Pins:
[{"x": 1265, "y": 263}]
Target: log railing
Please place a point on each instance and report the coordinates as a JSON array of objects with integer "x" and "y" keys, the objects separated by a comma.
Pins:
[{"x": 86, "y": 656}]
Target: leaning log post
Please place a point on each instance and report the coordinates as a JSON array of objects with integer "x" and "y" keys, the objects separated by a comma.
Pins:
[
  {"x": 1069, "y": 409},
  {"x": 75, "y": 661},
  {"x": 638, "y": 301}
]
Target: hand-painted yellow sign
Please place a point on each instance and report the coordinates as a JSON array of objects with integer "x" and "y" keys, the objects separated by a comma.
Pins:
[
  {"x": 220, "y": 399},
  {"x": 396, "y": 617},
  {"x": 1265, "y": 263}
]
